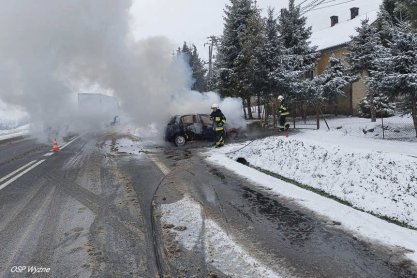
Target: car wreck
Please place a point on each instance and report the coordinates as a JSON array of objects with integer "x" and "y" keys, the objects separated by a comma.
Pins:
[{"x": 183, "y": 128}]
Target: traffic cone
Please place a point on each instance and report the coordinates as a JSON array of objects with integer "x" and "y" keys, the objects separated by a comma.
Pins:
[{"x": 55, "y": 147}]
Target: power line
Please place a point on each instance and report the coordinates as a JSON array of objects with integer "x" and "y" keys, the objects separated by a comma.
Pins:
[
  {"x": 320, "y": 8},
  {"x": 317, "y": 4}
]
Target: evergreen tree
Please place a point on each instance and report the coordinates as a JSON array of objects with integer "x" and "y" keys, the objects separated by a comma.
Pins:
[
  {"x": 236, "y": 59},
  {"x": 333, "y": 80},
  {"x": 199, "y": 71},
  {"x": 401, "y": 10},
  {"x": 196, "y": 64},
  {"x": 299, "y": 57},
  {"x": 270, "y": 55},
  {"x": 395, "y": 70},
  {"x": 362, "y": 55}
]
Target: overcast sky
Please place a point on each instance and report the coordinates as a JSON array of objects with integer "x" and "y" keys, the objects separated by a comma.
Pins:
[
  {"x": 185, "y": 20},
  {"x": 194, "y": 20}
]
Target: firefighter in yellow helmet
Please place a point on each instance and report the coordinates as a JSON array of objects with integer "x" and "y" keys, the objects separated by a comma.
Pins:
[
  {"x": 218, "y": 124},
  {"x": 283, "y": 113}
]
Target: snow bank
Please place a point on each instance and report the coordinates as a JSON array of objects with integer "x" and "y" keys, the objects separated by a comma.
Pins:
[
  {"x": 221, "y": 250},
  {"x": 382, "y": 183},
  {"x": 16, "y": 132}
]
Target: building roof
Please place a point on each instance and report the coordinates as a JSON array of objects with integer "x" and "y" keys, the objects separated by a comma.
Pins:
[{"x": 324, "y": 36}]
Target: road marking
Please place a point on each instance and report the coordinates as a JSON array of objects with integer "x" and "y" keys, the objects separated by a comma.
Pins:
[
  {"x": 69, "y": 142},
  {"x": 16, "y": 171},
  {"x": 160, "y": 164},
  {"x": 62, "y": 147},
  {"x": 21, "y": 174}
]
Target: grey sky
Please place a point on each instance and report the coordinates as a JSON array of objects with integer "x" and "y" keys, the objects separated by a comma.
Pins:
[{"x": 185, "y": 20}]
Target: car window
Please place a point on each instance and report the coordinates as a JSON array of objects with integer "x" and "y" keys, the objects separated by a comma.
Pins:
[
  {"x": 187, "y": 119},
  {"x": 205, "y": 120}
]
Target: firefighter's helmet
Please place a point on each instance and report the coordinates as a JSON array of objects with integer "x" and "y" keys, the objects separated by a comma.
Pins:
[
  {"x": 280, "y": 98},
  {"x": 214, "y": 106}
]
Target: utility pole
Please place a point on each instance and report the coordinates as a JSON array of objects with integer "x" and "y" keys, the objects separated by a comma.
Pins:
[{"x": 212, "y": 43}]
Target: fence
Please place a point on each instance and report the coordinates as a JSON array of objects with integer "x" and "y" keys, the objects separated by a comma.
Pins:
[
  {"x": 303, "y": 115},
  {"x": 306, "y": 114},
  {"x": 399, "y": 127},
  {"x": 393, "y": 120}
]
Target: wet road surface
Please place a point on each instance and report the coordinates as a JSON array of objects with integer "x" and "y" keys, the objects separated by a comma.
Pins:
[
  {"x": 83, "y": 212},
  {"x": 274, "y": 229},
  {"x": 97, "y": 210}
]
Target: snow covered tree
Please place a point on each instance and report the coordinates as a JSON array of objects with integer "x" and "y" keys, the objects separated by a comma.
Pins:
[
  {"x": 299, "y": 57},
  {"x": 362, "y": 55},
  {"x": 199, "y": 71},
  {"x": 269, "y": 55},
  {"x": 252, "y": 41},
  {"x": 333, "y": 80},
  {"x": 384, "y": 106},
  {"x": 402, "y": 10},
  {"x": 395, "y": 70},
  {"x": 197, "y": 67},
  {"x": 236, "y": 59}
]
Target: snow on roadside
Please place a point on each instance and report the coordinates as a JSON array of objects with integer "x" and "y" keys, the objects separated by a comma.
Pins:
[
  {"x": 221, "y": 250},
  {"x": 381, "y": 183},
  {"x": 360, "y": 223},
  {"x": 16, "y": 132},
  {"x": 129, "y": 146}
]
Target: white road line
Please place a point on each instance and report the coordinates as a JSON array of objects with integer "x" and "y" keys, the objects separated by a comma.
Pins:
[
  {"x": 21, "y": 174},
  {"x": 16, "y": 171},
  {"x": 160, "y": 165},
  {"x": 69, "y": 142},
  {"x": 48, "y": 154}
]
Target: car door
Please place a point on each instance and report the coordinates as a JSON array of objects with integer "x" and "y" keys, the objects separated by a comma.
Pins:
[
  {"x": 207, "y": 126},
  {"x": 192, "y": 126}
]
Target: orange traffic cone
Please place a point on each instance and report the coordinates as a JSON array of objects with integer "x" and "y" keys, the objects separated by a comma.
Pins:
[{"x": 55, "y": 147}]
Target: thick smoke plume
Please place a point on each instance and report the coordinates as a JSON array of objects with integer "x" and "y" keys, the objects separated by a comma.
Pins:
[{"x": 51, "y": 50}]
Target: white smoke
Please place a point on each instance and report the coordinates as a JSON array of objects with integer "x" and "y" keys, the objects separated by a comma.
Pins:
[{"x": 50, "y": 51}]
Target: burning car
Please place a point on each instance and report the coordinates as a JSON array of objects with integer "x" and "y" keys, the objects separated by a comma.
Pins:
[{"x": 183, "y": 128}]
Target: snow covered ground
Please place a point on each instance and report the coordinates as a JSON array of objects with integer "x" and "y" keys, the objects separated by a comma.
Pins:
[
  {"x": 377, "y": 176},
  {"x": 15, "y": 132},
  {"x": 396, "y": 127},
  {"x": 221, "y": 250}
]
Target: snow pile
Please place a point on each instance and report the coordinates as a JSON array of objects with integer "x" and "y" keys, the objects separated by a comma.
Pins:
[
  {"x": 16, "y": 132},
  {"x": 221, "y": 250},
  {"x": 380, "y": 183},
  {"x": 11, "y": 117}
]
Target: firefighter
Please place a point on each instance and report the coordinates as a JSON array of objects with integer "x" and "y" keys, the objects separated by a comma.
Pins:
[
  {"x": 218, "y": 124},
  {"x": 283, "y": 113}
]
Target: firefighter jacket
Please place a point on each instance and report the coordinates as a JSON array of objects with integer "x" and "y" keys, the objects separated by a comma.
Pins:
[
  {"x": 218, "y": 120},
  {"x": 283, "y": 111}
]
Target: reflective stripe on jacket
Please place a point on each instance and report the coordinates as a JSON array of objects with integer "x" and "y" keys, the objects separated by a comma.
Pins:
[{"x": 283, "y": 111}]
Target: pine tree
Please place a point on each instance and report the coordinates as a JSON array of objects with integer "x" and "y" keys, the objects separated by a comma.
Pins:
[
  {"x": 299, "y": 57},
  {"x": 362, "y": 54},
  {"x": 395, "y": 71},
  {"x": 333, "y": 80},
  {"x": 271, "y": 54},
  {"x": 269, "y": 58},
  {"x": 199, "y": 71},
  {"x": 196, "y": 64},
  {"x": 401, "y": 10},
  {"x": 236, "y": 59}
]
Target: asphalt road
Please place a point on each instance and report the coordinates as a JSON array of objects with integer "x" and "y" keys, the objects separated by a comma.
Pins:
[
  {"x": 92, "y": 210},
  {"x": 77, "y": 213}
]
